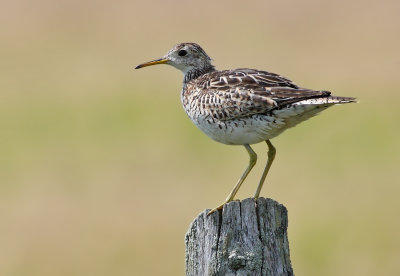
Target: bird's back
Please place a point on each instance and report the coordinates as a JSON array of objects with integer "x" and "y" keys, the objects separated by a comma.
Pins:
[{"x": 255, "y": 104}]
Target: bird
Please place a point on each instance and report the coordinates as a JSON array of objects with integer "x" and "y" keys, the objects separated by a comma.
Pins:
[{"x": 242, "y": 106}]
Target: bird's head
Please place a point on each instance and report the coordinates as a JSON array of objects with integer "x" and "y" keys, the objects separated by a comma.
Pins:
[{"x": 185, "y": 57}]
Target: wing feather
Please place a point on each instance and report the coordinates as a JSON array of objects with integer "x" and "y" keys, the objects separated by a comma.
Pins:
[{"x": 240, "y": 93}]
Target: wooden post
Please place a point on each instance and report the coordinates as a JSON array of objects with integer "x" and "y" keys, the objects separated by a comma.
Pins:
[{"x": 246, "y": 239}]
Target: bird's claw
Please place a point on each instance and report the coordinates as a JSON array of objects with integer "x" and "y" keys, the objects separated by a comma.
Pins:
[{"x": 220, "y": 207}]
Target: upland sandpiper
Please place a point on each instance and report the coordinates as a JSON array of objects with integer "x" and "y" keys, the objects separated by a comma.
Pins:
[{"x": 242, "y": 106}]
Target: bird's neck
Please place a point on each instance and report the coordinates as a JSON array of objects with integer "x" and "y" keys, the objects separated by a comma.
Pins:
[{"x": 197, "y": 72}]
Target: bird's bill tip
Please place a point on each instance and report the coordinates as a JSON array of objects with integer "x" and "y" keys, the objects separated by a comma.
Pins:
[{"x": 153, "y": 62}]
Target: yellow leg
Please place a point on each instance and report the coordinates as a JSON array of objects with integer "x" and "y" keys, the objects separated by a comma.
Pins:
[
  {"x": 271, "y": 157},
  {"x": 252, "y": 162}
]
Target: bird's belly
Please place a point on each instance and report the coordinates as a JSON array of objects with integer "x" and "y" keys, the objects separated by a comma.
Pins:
[{"x": 250, "y": 130}]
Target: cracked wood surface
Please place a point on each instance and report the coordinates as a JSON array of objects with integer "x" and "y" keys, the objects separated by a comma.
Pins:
[{"x": 246, "y": 239}]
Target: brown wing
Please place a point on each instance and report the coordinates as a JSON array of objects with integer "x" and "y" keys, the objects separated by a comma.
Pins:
[
  {"x": 244, "y": 92},
  {"x": 243, "y": 77}
]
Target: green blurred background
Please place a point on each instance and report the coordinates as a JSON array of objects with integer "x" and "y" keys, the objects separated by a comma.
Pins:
[{"x": 101, "y": 172}]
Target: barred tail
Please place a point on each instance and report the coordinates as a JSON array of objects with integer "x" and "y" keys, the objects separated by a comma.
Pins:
[
  {"x": 340, "y": 100},
  {"x": 330, "y": 100},
  {"x": 305, "y": 109}
]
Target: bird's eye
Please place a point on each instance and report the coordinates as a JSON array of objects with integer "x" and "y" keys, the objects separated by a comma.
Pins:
[{"x": 182, "y": 53}]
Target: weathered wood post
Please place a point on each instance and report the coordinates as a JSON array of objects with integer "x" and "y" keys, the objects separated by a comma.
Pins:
[{"x": 247, "y": 239}]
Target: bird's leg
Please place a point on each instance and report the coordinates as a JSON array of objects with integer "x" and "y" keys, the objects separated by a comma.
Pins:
[
  {"x": 271, "y": 157},
  {"x": 252, "y": 162}
]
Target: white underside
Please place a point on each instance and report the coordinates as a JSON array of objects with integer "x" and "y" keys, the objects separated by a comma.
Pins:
[{"x": 259, "y": 128}]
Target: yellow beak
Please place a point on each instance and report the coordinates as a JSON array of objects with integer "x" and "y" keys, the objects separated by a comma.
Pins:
[{"x": 153, "y": 62}]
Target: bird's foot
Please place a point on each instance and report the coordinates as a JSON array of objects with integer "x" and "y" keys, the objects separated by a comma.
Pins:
[{"x": 217, "y": 208}]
